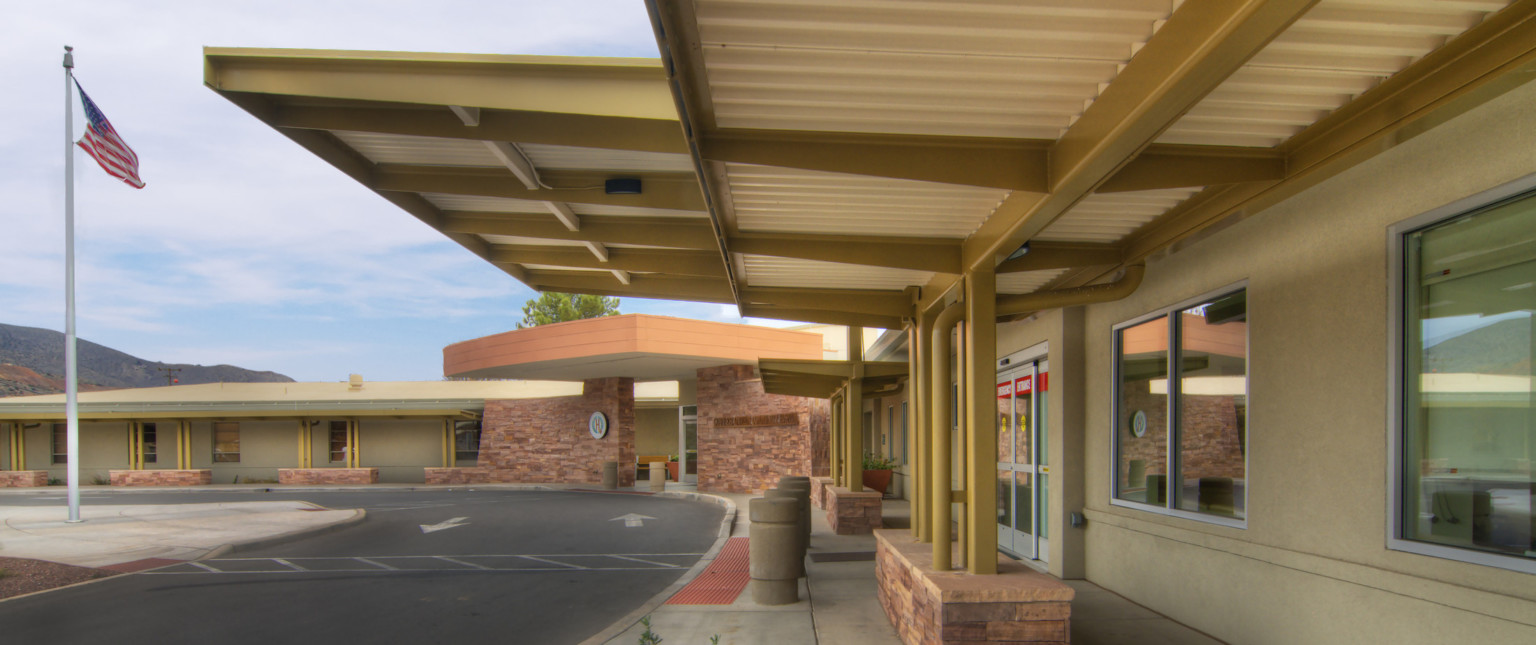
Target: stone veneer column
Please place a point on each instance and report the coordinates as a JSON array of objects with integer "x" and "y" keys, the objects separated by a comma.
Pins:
[
  {"x": 546, "y": 440},
  {"x": 744, "y": 445}
]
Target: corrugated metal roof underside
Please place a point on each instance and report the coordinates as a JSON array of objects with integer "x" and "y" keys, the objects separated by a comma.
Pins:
[
  {"x": 1019, "y": 69},
  {"x": 1110, "y": 217},
  {"x": 1026, "y": 281},
  {"x": 475, "y": 203},
  {"x": 574, "y": 158},
  {"x": 1340, "y": 49},
  {"x": 535, "y": 241},
  {"x": 768, "y": 271},
  {"x": 769, "y": 199},
  {"x": 422, "y": 151}
]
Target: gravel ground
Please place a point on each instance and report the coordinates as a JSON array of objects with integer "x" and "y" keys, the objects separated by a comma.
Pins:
[{"x": 22, "y": 576}]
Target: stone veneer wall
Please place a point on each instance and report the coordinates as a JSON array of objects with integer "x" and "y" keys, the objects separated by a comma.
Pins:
[
  {"x": 1018, "y": 605},
  {"x": 736, "y": 454},
  {"x": 23, "y": 478},
  {"x": 852, "y": 513},
  {"x": 546, "y": 440},
  {"x": 819, "y": 487},
  {"x": 195, "y": 477},
  {"x": 313, "y": 476}
]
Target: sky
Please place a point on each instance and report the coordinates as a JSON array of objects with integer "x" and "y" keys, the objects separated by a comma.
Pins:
[{"x": 244, "y": 248}]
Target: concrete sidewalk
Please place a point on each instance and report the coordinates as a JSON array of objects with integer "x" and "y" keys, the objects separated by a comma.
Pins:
[
  {"x": 119, "y": 534},
  {"x": 837, "y": 598}
]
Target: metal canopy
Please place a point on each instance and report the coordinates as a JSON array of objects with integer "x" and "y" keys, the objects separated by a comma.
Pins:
[{"x": 844, "y": 160}]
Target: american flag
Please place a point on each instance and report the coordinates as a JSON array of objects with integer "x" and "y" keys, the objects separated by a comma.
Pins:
[{"x": 103, "y": 144}]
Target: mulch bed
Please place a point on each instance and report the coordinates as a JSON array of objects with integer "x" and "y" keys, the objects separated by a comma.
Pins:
[{"x": 22, "y": 576}]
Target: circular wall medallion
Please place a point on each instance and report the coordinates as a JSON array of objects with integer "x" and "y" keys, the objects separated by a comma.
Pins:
[
  {"x": 597, "y": 424},
  {"x": 1139, "y": 423}
]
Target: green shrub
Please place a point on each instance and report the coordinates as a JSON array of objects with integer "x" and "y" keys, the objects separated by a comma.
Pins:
[{"x": 876, "y": 462}]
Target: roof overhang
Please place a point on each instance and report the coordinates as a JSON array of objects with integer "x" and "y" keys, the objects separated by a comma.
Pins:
[{"x": 638, "y": 346}]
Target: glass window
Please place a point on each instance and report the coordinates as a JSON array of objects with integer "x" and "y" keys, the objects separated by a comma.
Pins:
[
  {"x": 61, "y": 443},
  {"x": 1468, "y": 418},
  {"x": 1181, "y": 442},
  {"x": 1141, "y": 431},
  {"x": 466, "y": 442},
  {"x": 149, "y": 442},
  {"x": 338, "y": 441},
  {"x": 226, "y": 442}
]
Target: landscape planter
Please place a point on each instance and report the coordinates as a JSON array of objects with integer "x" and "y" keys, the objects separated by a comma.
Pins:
[
  {"x": 672, "y": 471},
  {"x": 878, "y": 480}
]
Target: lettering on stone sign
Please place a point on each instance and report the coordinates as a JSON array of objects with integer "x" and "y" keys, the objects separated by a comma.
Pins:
[{"x": 788, "y": 419}]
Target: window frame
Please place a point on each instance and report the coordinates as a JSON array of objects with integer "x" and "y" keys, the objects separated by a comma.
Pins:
[
  {"x": 331, "y": 442},
  {"x": 1397, "y": 234},
  {"x": 149, "y": 435},
  {"x": 1171, "y": 416},
  {"x": 214, "y": 448},
  {"x": 58, "y": 458},
  {"x": 479, "y": 432}
]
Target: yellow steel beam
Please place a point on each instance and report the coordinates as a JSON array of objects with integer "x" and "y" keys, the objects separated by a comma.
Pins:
[
  {"x": 1011, "y": 164},
  {"x": 658, "y": 286},
  {"x": 672, "y": 262},
  {"x": 671, "y": 191},
  {"x": 919, "y": 254},
  {"x": 1166, "y": 166},
  {"x": 993, "y": 163},
  {"x": 825, "y": 317},
  {"x": 894, "y": 304},
  {"x": 582, "y": 130},
  {"x": 1061, "y": 255},
  {"x": 670, "y": 232},
  {"x": 624, "y": 87},
  {"x": 1200, "y": 45},
  {"x": 1482, "y": 63}
]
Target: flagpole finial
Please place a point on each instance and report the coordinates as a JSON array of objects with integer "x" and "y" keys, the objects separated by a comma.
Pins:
[{"x": 69, "y": 57}]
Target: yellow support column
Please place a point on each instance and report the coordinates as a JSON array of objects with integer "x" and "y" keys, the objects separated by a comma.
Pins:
[
  {"x": 20, "y": 462},
  {"x": 939, "y": 436},
  {"x": 355, "y": 443},
  {"x": 184, "y": 444},
  {"x": 854, "y": 399},
  {"x": 837, "y": 421},
  {"x": 981, "y": 421},
  {"x": 917, "y": 420},
  {"x": 450, "y": 443}
]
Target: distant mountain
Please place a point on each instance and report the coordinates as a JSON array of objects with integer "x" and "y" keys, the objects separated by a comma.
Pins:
[
  {"x": 32, "y": 362},
  {"x": 1501, "y": 348}
]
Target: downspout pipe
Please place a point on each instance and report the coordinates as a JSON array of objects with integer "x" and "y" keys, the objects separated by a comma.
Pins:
[
  {"x": 1091, "y": 294},
  {"x": 941, "y": 407}
]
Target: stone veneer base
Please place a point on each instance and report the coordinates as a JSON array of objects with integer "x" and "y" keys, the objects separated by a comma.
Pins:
[
  {"x": 23, "y": 478},
  {"x": 1018, "y": 605},
  {"x": 327, "y": 476},
  {"x": 819, "y": 487},
  {"x": 458, "y": 476},
  {"x": 852, "y": 513},
  {"x": 192, "y": 477}
]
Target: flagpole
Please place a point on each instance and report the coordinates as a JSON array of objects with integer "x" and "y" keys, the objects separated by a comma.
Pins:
[{"x": 71, "y": 378}]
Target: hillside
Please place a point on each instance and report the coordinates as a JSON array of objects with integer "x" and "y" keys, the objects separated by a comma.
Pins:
[{"x": 33, "y": 362}]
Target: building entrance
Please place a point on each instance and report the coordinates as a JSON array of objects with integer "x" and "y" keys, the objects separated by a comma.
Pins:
[{"x": 1023, "y": 474}]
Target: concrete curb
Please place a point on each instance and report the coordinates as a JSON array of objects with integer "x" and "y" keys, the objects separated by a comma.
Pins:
[
  {"x": 727, "y": 523},
  {"x": 358, "y": 516},
  {"x": 271, "y": 488}
]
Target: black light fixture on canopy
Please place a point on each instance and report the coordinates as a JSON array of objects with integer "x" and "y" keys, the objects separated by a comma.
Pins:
[{"x": 622, "y": 186}]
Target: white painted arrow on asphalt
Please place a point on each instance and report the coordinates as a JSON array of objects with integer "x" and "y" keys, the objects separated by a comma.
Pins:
[
  {"x": 457, "y": 521},
  {"x": 632, "y": 520}
]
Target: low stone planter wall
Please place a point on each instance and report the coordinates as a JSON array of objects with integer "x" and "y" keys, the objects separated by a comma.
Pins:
[
  {"x": 458, "y": 476},
  {"x": 327, "y": 475},
  {"x": 1017, "y": 605},
  {"x": 852, "y": 513},
  {"x": 194, "y": 477},
  {"x": 23, "y": 478},
  {"x": 819, "y": 486}
]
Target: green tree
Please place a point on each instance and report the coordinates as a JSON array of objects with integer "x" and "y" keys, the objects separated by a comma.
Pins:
[{"x": 553, "y": 307}]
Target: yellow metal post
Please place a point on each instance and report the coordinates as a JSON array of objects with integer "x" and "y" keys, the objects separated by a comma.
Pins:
[
  {"x": 981, "y": 421},
  {"x": 354, "y": 443},
  {"x": 854, "y": 403},
  {"x": 20, "y": 462},
  {"x": 839, "y": 440},
  {"x": 940, "y": 435}
]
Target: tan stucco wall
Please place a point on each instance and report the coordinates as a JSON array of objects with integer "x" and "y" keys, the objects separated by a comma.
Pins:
[
  {"x": 400, "y": 448},
  {"x": 1311, "y": 566},
  {"x": 656, "y": 431},
  {"x": 1061, "y": 332}
]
